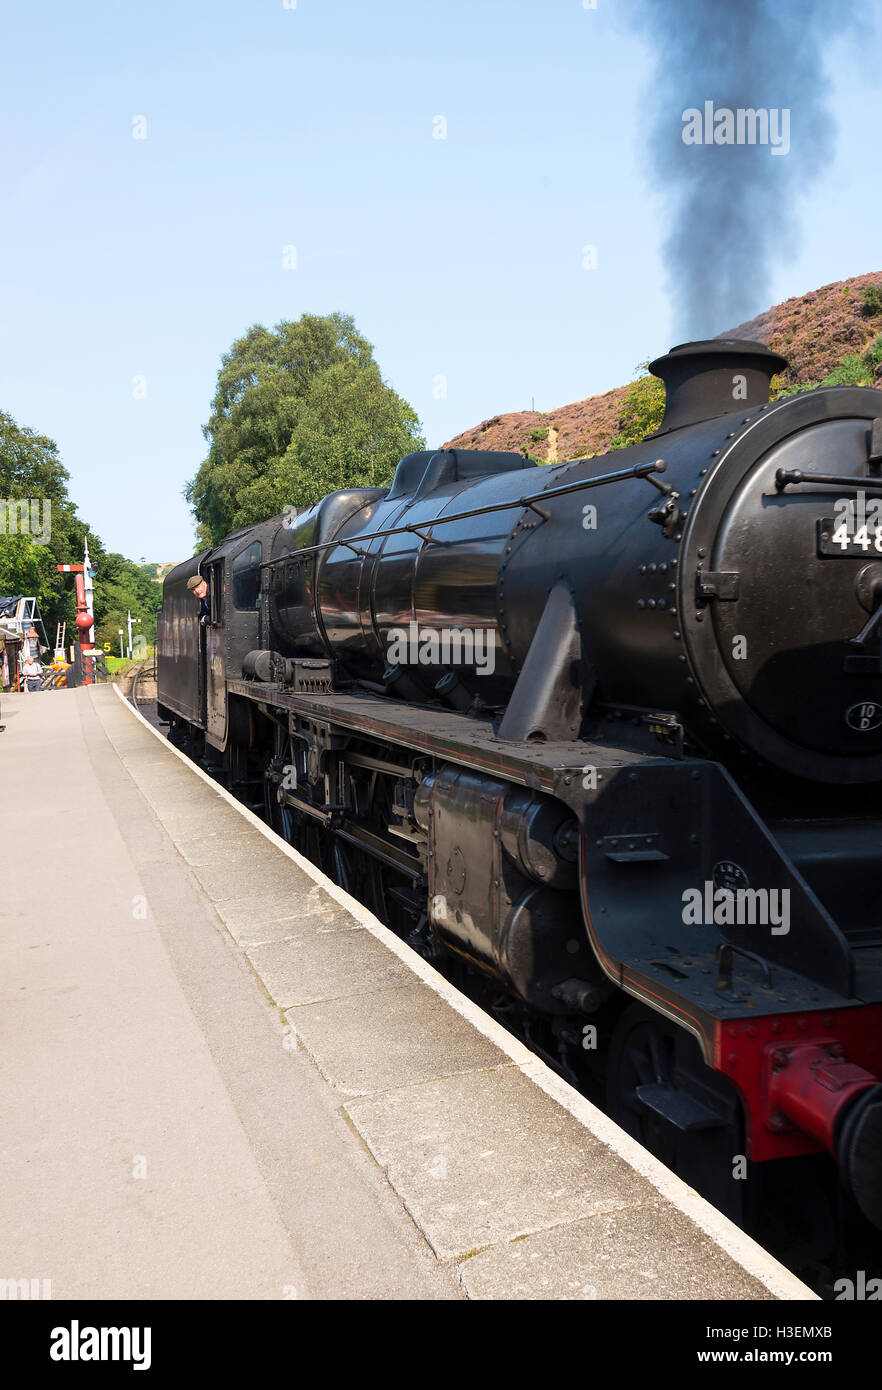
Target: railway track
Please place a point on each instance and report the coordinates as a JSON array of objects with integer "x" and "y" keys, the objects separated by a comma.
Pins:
[{"x": 142, "y": 692}]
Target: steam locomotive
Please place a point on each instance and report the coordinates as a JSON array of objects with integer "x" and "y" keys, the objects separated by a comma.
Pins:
[{"x": 609, "y": 733}]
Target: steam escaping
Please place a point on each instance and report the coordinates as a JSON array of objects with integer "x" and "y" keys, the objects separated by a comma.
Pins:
[{"x": 740, "y": 68}]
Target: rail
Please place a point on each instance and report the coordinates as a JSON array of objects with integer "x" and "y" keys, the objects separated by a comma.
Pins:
[{"x": 143, "y": 670}]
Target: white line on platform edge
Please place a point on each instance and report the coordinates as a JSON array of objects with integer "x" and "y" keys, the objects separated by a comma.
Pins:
[{"x": 743, "y": 1249}]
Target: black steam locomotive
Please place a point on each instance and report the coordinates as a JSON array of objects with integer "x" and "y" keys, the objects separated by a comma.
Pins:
[{"x": 609, "y": 731}]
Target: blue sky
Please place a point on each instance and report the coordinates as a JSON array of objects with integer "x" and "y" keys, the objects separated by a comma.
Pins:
[{"x": 312, "y": 127}]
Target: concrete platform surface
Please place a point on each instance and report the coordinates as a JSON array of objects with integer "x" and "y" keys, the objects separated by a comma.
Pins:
[{"x": 221, "y": 1077}]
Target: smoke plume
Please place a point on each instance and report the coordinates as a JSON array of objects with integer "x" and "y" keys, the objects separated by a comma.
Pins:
[{"x": 734, "y": 205}]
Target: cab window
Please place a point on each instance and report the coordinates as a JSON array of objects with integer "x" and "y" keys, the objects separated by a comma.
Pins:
[
  {"x": 216, "y": 588},
  {"x": 246, "y": 578}
]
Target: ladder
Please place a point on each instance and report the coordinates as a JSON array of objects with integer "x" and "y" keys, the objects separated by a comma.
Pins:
[{"x": 60, "y": 635}]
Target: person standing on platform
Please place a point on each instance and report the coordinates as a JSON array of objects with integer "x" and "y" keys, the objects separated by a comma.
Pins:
[{"x": 32, "y": 672}]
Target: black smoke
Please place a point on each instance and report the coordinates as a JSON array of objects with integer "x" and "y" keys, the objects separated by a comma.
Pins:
[{"x": 733, "y": 208}]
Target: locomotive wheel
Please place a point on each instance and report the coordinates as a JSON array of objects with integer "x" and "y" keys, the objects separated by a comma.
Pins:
[
  {"x": 641, "y": 1053},
  {"x": 660, "y": 1092}
]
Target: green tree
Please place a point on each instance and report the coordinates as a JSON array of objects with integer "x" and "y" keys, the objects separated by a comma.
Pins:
[
  {"x": 851, "y": 370},
  {"x": 642, "y": 410},
  {"x": 36, "y": 539},
  {"x": 123, "y": 587},
  {"x": 49, "y": 533},
  {"x": 871, "y": 300},
  {"x": 299, "y": 411}
]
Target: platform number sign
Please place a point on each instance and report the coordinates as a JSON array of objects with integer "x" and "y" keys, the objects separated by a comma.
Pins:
[{"x": 864, "y": 716}]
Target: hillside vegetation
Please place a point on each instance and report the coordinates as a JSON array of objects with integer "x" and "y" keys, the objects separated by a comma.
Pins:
[{"x": 831, "y": 337}]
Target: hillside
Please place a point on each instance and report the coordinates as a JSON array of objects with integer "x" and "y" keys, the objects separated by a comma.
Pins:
[
  {"x": 158, "y": 570},
  {"x": 835, "y": 331}
]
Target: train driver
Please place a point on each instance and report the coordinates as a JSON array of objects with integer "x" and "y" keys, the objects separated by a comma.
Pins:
[{"x": 199, "y": 589}]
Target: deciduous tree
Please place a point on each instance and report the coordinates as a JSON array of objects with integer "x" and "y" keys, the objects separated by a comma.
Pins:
[{"x": 299, "y": 411}]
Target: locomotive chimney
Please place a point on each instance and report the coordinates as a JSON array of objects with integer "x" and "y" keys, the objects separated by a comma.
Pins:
[{"x": 713, "y": 377}]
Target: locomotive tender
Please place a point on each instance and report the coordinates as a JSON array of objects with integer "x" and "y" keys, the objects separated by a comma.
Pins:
[{"x": 608, "y": 730}]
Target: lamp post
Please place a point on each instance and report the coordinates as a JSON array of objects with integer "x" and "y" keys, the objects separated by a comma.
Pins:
[{"x": 121, "y": 652}]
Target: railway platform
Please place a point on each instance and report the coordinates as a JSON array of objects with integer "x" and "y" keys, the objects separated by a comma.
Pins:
[{"x": 223, "y": 1078}]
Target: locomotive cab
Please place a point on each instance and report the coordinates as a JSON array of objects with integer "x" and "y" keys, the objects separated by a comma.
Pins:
[
  {"x": 197, "y": 659},
  {"x": 180, "y": 649}
]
